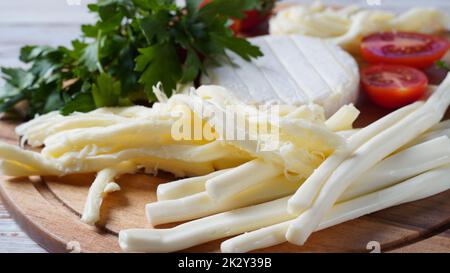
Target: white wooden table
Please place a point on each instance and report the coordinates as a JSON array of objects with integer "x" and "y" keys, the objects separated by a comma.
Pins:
[
  {"x": 23, "y": 22},
  {"x": 55, "y": 22}
]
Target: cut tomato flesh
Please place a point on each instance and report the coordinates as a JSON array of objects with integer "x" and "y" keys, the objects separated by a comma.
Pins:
[
  {"x": 393, "y": 86},
  {"x": 414, "y": 49}
]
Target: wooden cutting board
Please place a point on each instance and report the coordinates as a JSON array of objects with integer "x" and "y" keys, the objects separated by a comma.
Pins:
[{"x": 49, "y": 208}]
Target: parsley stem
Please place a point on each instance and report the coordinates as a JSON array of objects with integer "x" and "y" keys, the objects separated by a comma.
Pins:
[{"x": 99, "y": 64}]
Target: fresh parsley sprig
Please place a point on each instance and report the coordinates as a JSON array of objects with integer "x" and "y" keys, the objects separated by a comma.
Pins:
[{"x": 133, "y": 45}]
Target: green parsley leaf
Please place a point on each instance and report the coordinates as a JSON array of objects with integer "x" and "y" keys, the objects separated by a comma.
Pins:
[
  {"x": 229, "y": 8},
  {"x": 89, "y": 57},
  {"x": 134, "y": 45},
  {"x": 6, "y": 103},
  {"x": 17, "y": 79},
  {"x": 106, "y": 91},
  {"x": 242, "y": 47},
  {"x": 192, "y": 67},
  {"x": 82, "y": 102},
  {"x": 156, "y": 26},
  {"x": 159, "y": 63}
]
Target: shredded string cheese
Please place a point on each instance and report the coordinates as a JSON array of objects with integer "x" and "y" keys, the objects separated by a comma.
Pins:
[
  {"x": 347, "y": 26},
  {"x": 320, "y": 170}
]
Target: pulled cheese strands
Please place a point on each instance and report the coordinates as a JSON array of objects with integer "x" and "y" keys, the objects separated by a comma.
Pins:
[
  {"x": 396, "y": 168},
  {"x": 91, "y": 213},
  {"x": 302, "y": 164},
  {"x": 347, "y": 26},
  {"x": 230, "y": 223},
  {"x": 115, "y": 141}
]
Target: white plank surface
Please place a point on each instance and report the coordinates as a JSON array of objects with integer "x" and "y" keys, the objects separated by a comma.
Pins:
[
  {"x": 12, "y": 238},
  {"x": 55, "y": 22},
  {"x": 39, "y": 22},
  {"x": 23, "y": 22}
]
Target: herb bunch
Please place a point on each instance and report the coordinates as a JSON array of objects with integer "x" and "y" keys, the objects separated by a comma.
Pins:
[{"x": 133, "y": 45}]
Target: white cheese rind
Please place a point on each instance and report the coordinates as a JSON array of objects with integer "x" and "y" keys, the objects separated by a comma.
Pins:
[{"x": 294, "y": 70}]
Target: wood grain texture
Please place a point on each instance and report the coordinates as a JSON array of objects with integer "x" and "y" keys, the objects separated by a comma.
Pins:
[
  {"x": 12, "y": 237},
  {"x": 435, "y": 244},
  {"x": 49, "y": 222}
]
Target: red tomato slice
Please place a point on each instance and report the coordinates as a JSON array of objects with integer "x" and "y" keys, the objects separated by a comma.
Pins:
[
  {"x": 393, "y": 86},
  {"x": 413, "y": 49},
  {"x": 252, "y": 19}
]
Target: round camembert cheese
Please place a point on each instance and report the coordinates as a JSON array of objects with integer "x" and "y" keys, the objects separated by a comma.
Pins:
[{"x": 295, "y": 70}]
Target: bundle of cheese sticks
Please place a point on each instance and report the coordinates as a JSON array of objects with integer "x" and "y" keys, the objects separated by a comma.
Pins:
[{"x": 304, "y": 173}]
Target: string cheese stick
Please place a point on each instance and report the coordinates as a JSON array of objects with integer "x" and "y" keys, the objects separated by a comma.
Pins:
[
  {"x": 241, "y": 178},
  {"x": 347, "y": 133},
  {"x": 116, "y": 112},
  {"x": 91, "y": 212},
  {"x": 32, "y": 160},
  {"x": 205, "y": 229},
  {"x": 201, "y": 205},
  {"x": 308, "y": 191},
  {"x": 51, "y": 116},
  {"x": 405, "y": 164},
  {"x": 436, "y": 131},
  {"x": 367, "y": 156},
  {"x": 343, "y": 119},
  {"x": 441, "y": 129},
  {"x": 175, "y": 167},
  {"x": 42, "y": 127},
  {"x": 431, "y": 134},
  {"x": 441, "y": 125},
  {"x": 311, "y": 136},
  {"x": 184, "y": 187},
  {"x": 189, "y": 153},
  {"x": 136, "y": 111},
  {"x": 422, "y": 186},
  {"x": 54, "y": 122},
  {"x": 311, "y": 112},
  {"x": 37, "y": 135},
  {"x": 36, "y": 164},
  {"x": 16, "y": 170},
  {"x": 132, "y": 134}
]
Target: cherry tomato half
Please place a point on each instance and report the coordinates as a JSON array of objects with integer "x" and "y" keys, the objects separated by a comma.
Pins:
[
  {"x": 393, "y": 86},
  {"x": 251, "y": 20},
  {"x": 406, "y": 48}
]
